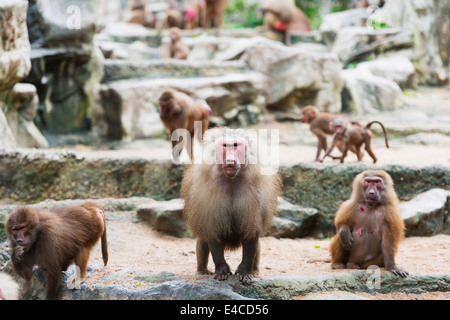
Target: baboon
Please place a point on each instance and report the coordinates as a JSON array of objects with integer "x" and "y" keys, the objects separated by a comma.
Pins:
[
  {"x": 177, "y": 49},
  {"x": 284, "y": 16},
  {"x": 228, "y": 202},
  {"x": 353, "y": 137},
  {"x": 179, "y": 111},
  {"x": 369, "y": 225},
  {"x": 53, "y": 239},
  {"x": 214, "y": 10},
  {"x": 320, "y": 126}
]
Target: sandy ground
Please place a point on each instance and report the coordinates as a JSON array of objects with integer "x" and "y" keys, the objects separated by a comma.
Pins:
[{"x": 135, "y": 245}]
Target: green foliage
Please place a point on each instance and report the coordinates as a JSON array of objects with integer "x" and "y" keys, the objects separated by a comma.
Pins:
[
  {"x": 354, "y": 64},
  {"x": 312, "y": 11},
  {"x": 241, "y": 14},
  {"x": 379, "y": 25}
]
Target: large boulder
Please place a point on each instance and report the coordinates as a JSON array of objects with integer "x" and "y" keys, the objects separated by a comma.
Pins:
[
  {"x": 7, "y": 139},
  {"x": 428, "y": 213},
  {"x": 20, "y": 105},
  {"x": 14, "y": 63},
  {"x": 429, "y": 21},
  {"x": 333, "y": 22},
  {"x": 365, "y": 92},
  {"x": 396, "y": 68},
  {"x": 14, "y": 47},
  {"x": 66, "y": 64},
  {"x": 297, "y": 77},
  {"x": 358, "y": 43},
  {"x": 166, "y": 216}
]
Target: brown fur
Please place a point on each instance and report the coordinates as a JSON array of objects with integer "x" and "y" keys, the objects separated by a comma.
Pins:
[
  {"x": 226, "y": 212},
  {"x": 177, "y": 49},
  {"x": 173, "y": 18},
  {"x": 352, "y": 137},
  {"x": 179, "y": 111},
  {"x": 214, "y": 10},
  {"x": 319, "y": 125},
  {"x": 138, "y": 15},
  {"x": 54, "y": 239},
  {"x": 284, "y": 13},
  {"x": 381, "y": 225}
]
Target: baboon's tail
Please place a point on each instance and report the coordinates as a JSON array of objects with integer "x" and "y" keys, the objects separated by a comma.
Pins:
[
  {"x": 104, "y": 247},
  {"x": 382, "y": 127}
]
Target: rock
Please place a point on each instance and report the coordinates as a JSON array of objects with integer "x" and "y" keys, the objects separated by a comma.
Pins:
[
  {"x": 21, "y": 104},
  {"x": 166, "y": 216},
  {"x": 4, "y": 253},
  {"x": 133, "y": 51},
  {"x": 15, "y": 64},
  {"x": 424, "y": 138},
  {"x": 168, "y": 68},
  {"x": 334, "y": 296},
  {"x": 131, "y": 107},
  {"x": 429, "y": 22},
  {"x": 354, "y": 281},
  {"x": 396, "y": 68},
  {"x": 14, "y": 47},
  {"x": 66, "y": 64},
  {"x": 168, "y": 286},
  {"x": 7, "y": 139},
  {"x": 68, "y": 175},
  {"x": 365, "y": 93},
  {"x": 293, "y": 221},
  {"x": 333, "y": 22},
  {"x": 358, "y": 43},
  {"x": 297, "y": 77},
  {"x": 427, "y": 214},
  {"x": 221, "y": 48},
  {"x": 131, "y": 111},
  {"x": 159, "y": 277},
  {"x": 129, "y": 32},
  {"x": 283, "y": 228}
]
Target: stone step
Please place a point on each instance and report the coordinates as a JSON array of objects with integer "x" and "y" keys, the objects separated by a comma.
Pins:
[
  {"x": 170, "y": 286},
  {"x": 168, "y": 68},
  {"x": 35, "y": 176}
]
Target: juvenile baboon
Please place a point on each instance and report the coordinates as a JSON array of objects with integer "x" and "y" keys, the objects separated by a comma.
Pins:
[
  {"x": 320, "y": 126},
  {"x": 177, "y": 49},
  {"x": 353, "y": 137}
]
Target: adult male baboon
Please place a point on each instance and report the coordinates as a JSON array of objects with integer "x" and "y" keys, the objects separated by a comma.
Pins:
[{"x": 228, "y": 202}]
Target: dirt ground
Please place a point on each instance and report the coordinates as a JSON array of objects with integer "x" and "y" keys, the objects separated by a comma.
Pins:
[{"x": 134, "y": 245}]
